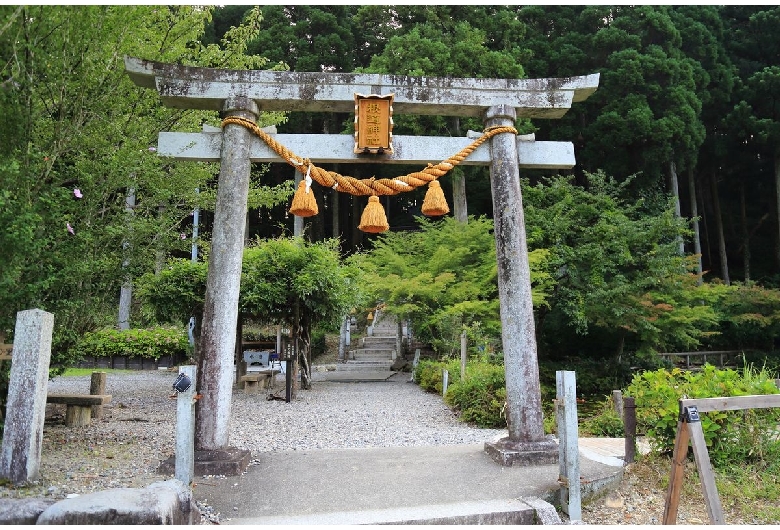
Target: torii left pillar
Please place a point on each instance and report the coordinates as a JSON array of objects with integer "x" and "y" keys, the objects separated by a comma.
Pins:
[{"x": 213, "y": 455}]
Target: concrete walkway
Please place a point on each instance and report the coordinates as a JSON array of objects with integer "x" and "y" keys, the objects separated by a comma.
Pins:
[
  {"x": 393, "y": 485},
  {"x": 457, "y": 484}
]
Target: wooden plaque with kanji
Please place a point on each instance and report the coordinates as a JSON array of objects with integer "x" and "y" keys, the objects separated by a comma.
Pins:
[{"x": 373, "y": 124}]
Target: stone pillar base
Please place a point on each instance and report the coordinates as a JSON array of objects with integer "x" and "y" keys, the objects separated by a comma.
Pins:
[
  {"x": 229, "y": 462},
  {"x": 509, "y": 453}
]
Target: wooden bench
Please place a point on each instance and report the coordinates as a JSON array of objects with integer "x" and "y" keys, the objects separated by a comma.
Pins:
[
  {"x": 78, "y": 412},
  {"x": 252, "y": 380}
]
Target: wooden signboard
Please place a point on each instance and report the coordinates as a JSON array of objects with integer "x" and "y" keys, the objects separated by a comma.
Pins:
[{"x": 374, "y": 124}]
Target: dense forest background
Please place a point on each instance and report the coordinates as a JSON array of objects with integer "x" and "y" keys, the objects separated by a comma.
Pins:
[
  {"x": 687, "y": 102},
  {"x": 687, "y": 114}
]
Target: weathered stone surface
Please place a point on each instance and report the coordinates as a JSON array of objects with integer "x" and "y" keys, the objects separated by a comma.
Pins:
[
  {"x": 523, "y": 392},
  {"x": 220, "y": 311},
  {"x": 206, "y": 88},
  {"x": 230, "y": 462},
  {"x": 168, "y": 502},
  {"x": 22, "y": 511},
  {"x": 20, "y": 454},
  {"x": 508, "y": 452},
  {"x": 337, "y": 149}
]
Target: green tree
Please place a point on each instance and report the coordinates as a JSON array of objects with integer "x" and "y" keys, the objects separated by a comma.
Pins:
[
  {"x": 755, "y": 120},
  {"x": 283, "y": 281},
  {"x": 82, "y": 138},
  {"x": 614, "y": 266},
  {"x": 443, "y": 279},
  {"x": 645, "y": 114}
]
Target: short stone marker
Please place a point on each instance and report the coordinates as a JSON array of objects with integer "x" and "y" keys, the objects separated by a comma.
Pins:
[{"x": 20, "y": 456}]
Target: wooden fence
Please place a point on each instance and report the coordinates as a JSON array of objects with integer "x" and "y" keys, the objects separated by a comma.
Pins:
[{"x": 692, "y": 360}]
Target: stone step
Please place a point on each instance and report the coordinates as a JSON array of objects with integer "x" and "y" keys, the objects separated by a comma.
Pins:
[
  {"x": 366, "y": 366},
  {"x": 374, "y": 351},
  {"x": 370, "y": 357},
  {"x": 378, "y": 342}
]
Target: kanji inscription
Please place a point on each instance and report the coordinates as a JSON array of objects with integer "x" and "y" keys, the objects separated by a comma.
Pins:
[{"x": 373, "y": 124}]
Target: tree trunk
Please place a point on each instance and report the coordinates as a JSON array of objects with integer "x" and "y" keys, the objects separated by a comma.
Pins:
[
  {"x": 342, "y": 339},
  {"x": 695, "y": 222},
  {"x": 675, "y": 188},
  {"x": 777, "y": 190},
  {"x": 357, "y": 236},
  {"x": 724, "y": 264},
  {"x": 745, "y": 232},
  {"x": 295, "y": 332},
  {"x": 459, "y": 207},
  {"x": 126, "y": 293},
  {"x": 704, "y": 191},
  {"x": 305, "y": 345},
  {"x": 159, "y": 254}
]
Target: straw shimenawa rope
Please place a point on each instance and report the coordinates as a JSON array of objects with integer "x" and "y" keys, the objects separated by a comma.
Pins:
[{"x": 371, "y": 186}]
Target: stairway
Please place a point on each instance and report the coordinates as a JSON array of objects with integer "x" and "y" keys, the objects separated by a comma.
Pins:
[{"x": 374, "y": 353}]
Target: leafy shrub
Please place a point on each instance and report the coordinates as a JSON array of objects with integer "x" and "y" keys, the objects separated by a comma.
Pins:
[
  {"x": 481, "y": 396},
  {"x": 151, "y": 343},
  {"x": 605, "y": 423},
  {"x": 428, "y": 374},
  {"x": 730, "y": 436}
]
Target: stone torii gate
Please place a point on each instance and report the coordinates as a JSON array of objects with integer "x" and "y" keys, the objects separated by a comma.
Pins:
[{"x": 244, "y": 94}]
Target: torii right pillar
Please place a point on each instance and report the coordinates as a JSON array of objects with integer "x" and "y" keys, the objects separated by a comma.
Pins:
[{"x": 526, "y": 443}]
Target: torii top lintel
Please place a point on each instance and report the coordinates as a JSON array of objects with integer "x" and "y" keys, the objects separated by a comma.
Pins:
[{"x": 208, "y": 88}]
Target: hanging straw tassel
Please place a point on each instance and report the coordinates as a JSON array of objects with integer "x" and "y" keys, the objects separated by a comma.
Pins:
[
  {"x": 304, "y": 204},
  {"x": 373, "y": 219},
  {"x": 435, "y": 203}
]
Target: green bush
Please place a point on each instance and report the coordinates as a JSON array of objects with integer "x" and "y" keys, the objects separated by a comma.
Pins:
[
  {"x": 605, "y": 423},
  {"x": 151, "y": 343},
  {"x": 428, "y": 374},
  {"x": 481, "y": 396},
  {"x": 479, "y": 399},
  {"x": 730, "y": 436}
]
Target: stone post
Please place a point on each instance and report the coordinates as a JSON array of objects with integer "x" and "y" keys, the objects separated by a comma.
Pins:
[
  {"x": 220, "y": 313},
  {"x": 185, "y": 430},
  {"x": 20, "y": 456},
  {"x": 526, "y": 442},
  {"x": 568, "y": 448}
]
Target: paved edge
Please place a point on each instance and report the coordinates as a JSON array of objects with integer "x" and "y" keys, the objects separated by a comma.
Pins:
[{"x": 500, "y": 511}]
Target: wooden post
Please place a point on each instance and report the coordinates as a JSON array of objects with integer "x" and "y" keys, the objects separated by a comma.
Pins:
[
  {"x": 445, "y": 379},
  {"x": 185, "y": 429},
  {"x": 677, "y": 473},
  {"x": 629, "y": 429},
  {"x": 707, "y": 477},
  {"x": 568, "y": 447},
  {"x": 689, "y": 429},
  {"x": 97, "y": 387}
]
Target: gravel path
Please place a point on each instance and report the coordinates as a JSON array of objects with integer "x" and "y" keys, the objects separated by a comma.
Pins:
[{"x": 137, "y": 431}]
